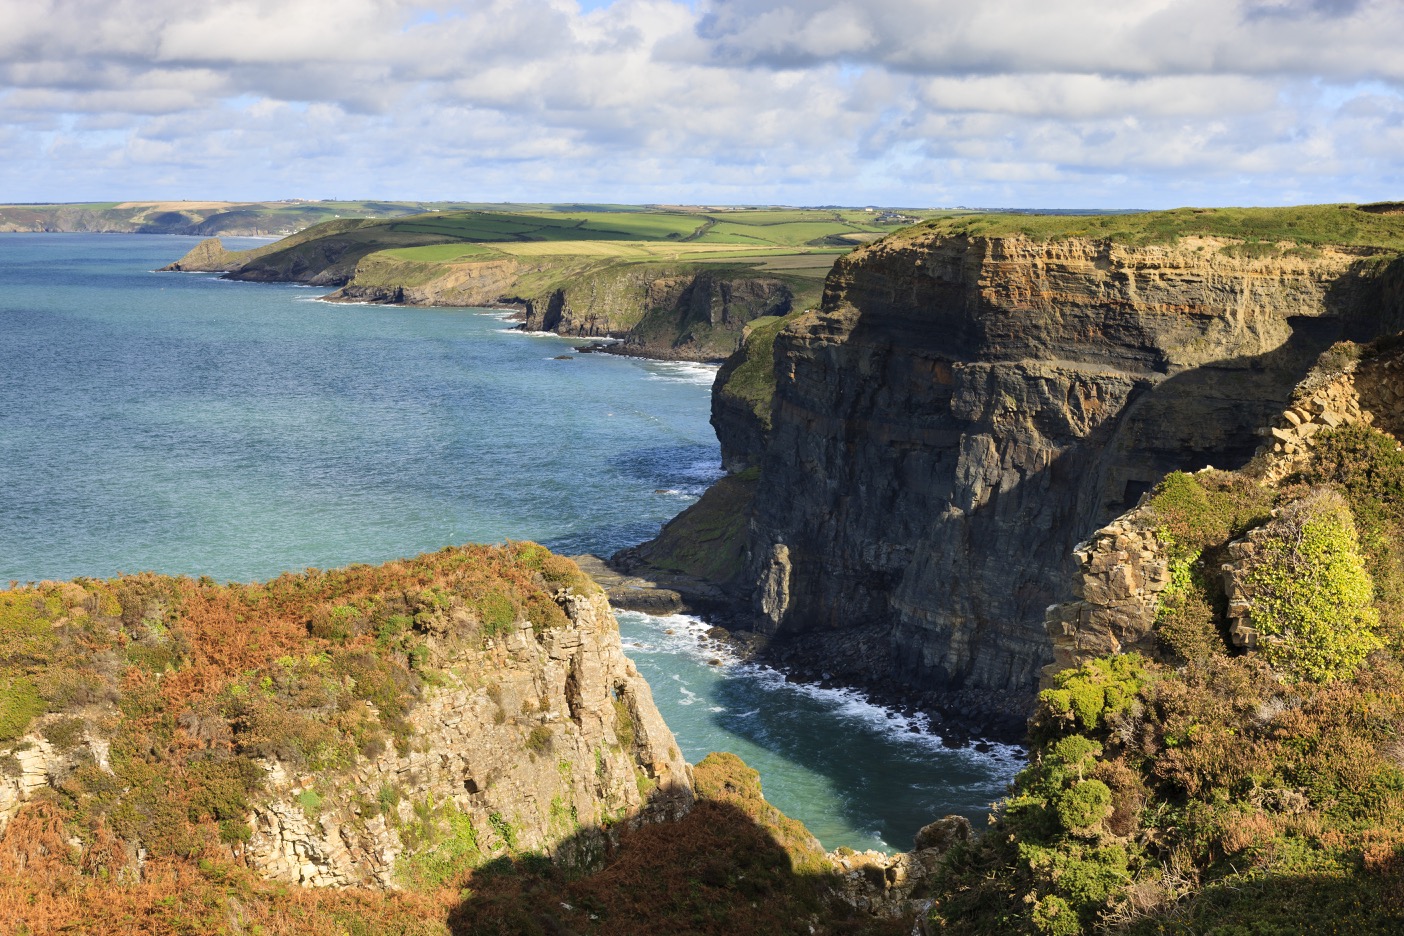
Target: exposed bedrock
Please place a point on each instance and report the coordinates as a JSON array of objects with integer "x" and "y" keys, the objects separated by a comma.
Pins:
[
  {"x": 963, "y": 411},
  {"x": 660, "y": 312}
]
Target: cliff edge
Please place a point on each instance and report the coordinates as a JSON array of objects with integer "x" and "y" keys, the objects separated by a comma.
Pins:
[{"x": 966, "y": 407}]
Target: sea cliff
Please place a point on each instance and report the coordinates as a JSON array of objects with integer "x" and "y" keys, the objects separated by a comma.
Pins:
[
  {"x": 450, "y": 744},
  {"x": 658, "y": 310},
  {"x": 669, "y": 311},
  {"x": 964, "y": 409}
]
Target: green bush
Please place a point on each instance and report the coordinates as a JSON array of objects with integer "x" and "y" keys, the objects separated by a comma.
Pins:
[
  {"x": 1209, "y": 508},
  {"x": 311, "y": 802},
  {"x": 1311, "y": 598},
  {"x": 539, "y": 740},
  {"x": 20, "y": 704},
  {"x": 498, "y": 613},
  {"x": 1083, "y": 806},
  {"x": 1084, "y": 698}
]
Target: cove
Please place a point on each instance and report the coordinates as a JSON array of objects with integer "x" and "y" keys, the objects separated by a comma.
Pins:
[{"x": 188, "y": 425}]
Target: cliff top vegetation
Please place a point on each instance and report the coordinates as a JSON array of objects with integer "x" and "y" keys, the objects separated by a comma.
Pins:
[
  {"x": 1306, "y": 226},
  {"x": 635, "y": 235}
]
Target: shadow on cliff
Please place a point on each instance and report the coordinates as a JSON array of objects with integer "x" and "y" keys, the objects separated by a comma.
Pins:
[
  {"x": 732, "y": 865},
  {"x": 958, "y": 610}
]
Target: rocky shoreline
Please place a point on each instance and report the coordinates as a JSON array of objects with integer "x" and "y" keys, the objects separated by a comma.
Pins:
[{"x": 970, "y": 718}]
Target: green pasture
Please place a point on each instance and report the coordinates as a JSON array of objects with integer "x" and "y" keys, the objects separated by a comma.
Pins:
[
  {"x": 790, "y": 234},
  {"x": 1344, "y": 225},
  {"x": 441, "y": 253}
]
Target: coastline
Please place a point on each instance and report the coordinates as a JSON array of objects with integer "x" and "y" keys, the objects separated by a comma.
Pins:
[{"x": 961, "y": 718}]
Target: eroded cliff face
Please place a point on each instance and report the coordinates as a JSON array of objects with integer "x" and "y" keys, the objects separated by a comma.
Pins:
[
  {"x": 660, "y": 312},
  {"x": 538, "y": 745},
  {"x": 963, "y": 411},
  {"x": 664, "y": 311},
  {"x": 1124, "y": 568}
]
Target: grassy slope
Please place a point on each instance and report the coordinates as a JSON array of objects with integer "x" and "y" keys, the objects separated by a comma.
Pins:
[{"x": 620, "y": 236}]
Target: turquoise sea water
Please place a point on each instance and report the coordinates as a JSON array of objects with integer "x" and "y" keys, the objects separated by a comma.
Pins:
[{"x": 185, "y": 424}]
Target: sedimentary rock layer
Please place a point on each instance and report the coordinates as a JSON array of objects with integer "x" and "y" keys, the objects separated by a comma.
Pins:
[{"x": 964, "y": 410}]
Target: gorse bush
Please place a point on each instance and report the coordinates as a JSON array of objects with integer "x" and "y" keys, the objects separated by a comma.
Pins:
[
  {"x": 1085, "y": 698},
  {"x": 1311, "y": 598}
]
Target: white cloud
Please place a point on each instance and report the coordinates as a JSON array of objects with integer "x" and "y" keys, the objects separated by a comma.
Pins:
[{"x": 1047, "y": 102}]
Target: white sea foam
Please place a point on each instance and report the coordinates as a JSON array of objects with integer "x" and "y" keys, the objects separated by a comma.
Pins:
[
  {"x": 529, "y": 334},
  {"x": 687, "y": 635},
  {"x": 689, "y": 372}
]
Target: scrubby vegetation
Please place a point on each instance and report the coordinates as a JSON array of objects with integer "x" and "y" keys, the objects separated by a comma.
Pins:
[
  {"x": 170, "y": 693},
  {"x": 1222, "y": 790},
  {"x": 165, "y": 694}
]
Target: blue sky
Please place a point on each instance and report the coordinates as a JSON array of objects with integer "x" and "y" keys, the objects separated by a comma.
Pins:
[{"x": 1053, "y": 103}]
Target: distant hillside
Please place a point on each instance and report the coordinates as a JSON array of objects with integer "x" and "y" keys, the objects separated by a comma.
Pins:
[
  {"x": 673, "y": 283},
  {"x": 201, "y": 218}
]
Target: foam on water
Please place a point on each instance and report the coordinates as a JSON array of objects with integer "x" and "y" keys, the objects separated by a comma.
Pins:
[
  {"x": 857, "y": 773},
  {"x": 703, "y": 375}
]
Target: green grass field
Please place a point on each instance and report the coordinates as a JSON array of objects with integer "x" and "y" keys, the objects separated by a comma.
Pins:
[
  {"x": 799, "y": 242},
  {"x": 1308, "y": 225}
]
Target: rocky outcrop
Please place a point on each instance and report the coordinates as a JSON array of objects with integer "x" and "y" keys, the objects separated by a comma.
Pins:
[
  {"x": 660, "y": 311},
  {"x": 208, "y": 256},
  {"x": 898, "y": 886},
  {"x": 539, "y": 740},
  {"x": 964, "y": 410},
  {"x": 1122, "y": 569},
  {"x": 546, "y": 738}
]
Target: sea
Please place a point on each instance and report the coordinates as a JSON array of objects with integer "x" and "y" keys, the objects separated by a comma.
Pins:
[{"x": 185, "y": 424}]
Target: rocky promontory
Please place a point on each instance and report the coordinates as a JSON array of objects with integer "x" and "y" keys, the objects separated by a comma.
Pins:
[
  {"x": 963, "y": 409},
  {"x": 669, "y": 284},
  {"x": 382, "y": 726}
]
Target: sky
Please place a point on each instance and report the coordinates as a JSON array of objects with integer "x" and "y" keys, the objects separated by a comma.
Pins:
[{"x": 913, "y": 103}]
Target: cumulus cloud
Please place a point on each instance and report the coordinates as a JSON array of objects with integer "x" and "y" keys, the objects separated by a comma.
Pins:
[{"x": 916, "y": 102}]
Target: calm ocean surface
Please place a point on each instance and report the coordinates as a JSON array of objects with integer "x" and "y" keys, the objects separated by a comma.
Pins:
[{"x": 189, "y": 425}]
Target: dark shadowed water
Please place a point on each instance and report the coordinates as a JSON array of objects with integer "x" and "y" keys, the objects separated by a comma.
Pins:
[{"x": 185, "y": 424}]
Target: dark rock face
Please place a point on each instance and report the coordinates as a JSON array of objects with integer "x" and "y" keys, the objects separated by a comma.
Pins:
[
  {"x": 740, "y": 431},
  {"x": 662, "y": 313},
  {"x": 963, "y": 411}
]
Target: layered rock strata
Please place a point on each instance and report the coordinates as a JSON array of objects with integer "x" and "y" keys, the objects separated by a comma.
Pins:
[
  {"x": 964, "y": 410},
  {"x": 1122, "y": 568}
]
